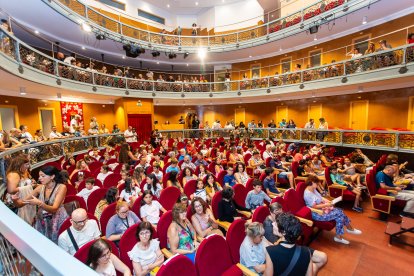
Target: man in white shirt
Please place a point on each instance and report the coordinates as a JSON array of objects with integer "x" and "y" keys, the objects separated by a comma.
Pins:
[
  {"x": 83, "y": 231},
  {"x": 74, "y": 123},
  {"x": 268, "y": 152},
  {"x": 69, "y": 59},
  {"x": 129, "y": 135},
  {"x": 252, "y": 124},
  {"x": 54, "y": 134},
  {"x": 216, "y": 125},
  {"x": 25, "y": 135},
  {"x": 310, "y": 124}
]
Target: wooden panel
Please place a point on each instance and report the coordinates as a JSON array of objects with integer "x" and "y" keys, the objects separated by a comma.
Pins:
[
  {"x": 315, "y": 111},
  {"x": 358, "y": 118},
  {"x": 239, "y": 115},
  {"x": 281, "y": 113},
  {"x": 410, "y": 122}
]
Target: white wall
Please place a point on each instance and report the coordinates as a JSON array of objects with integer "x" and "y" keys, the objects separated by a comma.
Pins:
[
  {"x": 185, "y": 21},
  {"x": 207, "y": 19},
  {"x": 289, "y": 7},
  {"x": 238, "y": 12}
]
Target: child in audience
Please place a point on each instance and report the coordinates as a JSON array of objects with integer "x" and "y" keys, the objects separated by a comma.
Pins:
[
  {"x": 338, "y": 178},
  {"x": 200, "y": 191},
  {"x": 256, "y": 197},
  {"x": 124, "y": 176},
  {"x": 150, "y": 209},
  {"x": 130, "y": 192},
  {"x": 153, "y": 185},
  {"x": 89, "y": 188},
  {"x": 104, "y": 173}
]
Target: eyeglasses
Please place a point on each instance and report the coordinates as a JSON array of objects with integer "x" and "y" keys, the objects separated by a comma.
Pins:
[
  {"x": 145, "y": 233},
  {"x": 80, "y": 222},
  {"x": 124, "y": 212}
]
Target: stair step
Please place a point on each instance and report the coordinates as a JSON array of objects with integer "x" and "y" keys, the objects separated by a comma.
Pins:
[
  {"x": 407, "y": 223},
  {"x": 392, "y": 228}
]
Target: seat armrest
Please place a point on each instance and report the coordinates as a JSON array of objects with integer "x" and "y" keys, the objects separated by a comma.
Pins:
[
  {"x": 199, "y": 238},
  {"x": 167, "y": 253},
  {"x": 317, "y": 211},
  {"x": 245, "y": 270},
  {"x": 337, "y": 186},
  {"x": 224, "y": 224},
  {"x": 155, "y": 271},
  {"x": 305, "y": 221},
  {"x": 245, "y": 213},
  {"x": 390, "y": 198}
]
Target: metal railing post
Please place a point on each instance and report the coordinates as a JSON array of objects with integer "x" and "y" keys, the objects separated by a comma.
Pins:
[
  {"x": 17, "y": 51},
  {"x": 397, "y": 141},
  {"x": 86, "y": 12},
  {"x": 93, "y": 77},
  {"x": 404, "y": 60},
  {"x": 56, "y": 67},
  {"x": 126, "y": 83}
]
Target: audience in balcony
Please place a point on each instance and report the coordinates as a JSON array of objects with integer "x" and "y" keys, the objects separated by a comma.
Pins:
[{"x": 81, "y": 231}]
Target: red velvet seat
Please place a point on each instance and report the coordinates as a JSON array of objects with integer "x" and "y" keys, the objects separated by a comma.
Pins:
[
  {"x": 234, "y": 237},
  {"x": 169, "y": 197},
  {"x": 211, "y": 261},
  {"x": 260, "y": 214},
  {"x": 240, "y": 194},
  {"x": 214, "y": 203},
  {"x": 66, "y": 224},
  {"x": 107, "y": 213},
  {"x": 249, "y": 184},
  {"x": 94, "y": 166},
  {"x": 94, "y": 199},
  {"x": 80, "y": 201},
  {"x": 82, "y": 254},
  {"x": 190, "y": 187},
  {"x": 336, "y": 191},
  {"x": 162, "y": 228},
  {"x": 54, "y": 164},
  {"x": 136, "y": 207},
  {"x": 82, "y": 184},
  {"x": 112, "y": 180},
  {"x": 70, "y": 190},
  {"x": 177, "y": 265},
  {"x": 220, "y": 177},
  {"x": 74, "y": 177},
  {"x": 165, "y": 179}
]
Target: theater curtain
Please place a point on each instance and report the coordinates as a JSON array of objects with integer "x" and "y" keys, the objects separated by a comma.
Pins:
[
  {"x": 69, "y": 110},
  {"x": 143, "y": 125}
]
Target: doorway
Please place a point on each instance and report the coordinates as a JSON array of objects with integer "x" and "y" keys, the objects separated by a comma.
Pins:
[
  {"x": 239, "y": 116},
  {"x": 314, "y": 111},
  {"x": 358, "y": 115},
  {"x": 281, "y": 113},
  {"x": 8, "y": 118},
  {"x": 47, "y": 120},
  {"x": 143, "y": 125}
]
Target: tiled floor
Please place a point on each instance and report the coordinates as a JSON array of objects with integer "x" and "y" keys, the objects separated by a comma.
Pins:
[{"x": 369, "y": 253}]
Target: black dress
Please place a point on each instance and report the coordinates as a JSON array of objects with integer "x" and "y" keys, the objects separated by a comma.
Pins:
[
  {"x": 281, "y": 257},
  {"x": 228, "y": 210}
]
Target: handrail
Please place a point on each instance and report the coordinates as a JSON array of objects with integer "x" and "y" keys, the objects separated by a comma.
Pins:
[
  {"x": 25, "y": 54},
  {"x": 213, "y": 42}
]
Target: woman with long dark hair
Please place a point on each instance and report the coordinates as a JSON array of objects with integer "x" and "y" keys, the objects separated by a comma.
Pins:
[
  {"x": 125, "y": 154},
  {"x": 153, "y": 185},
  {"x": 110, "y": 197},
  {"x": 48, "y": 197}
]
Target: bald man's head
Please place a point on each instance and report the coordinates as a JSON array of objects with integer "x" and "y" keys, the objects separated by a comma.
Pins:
[{"x": 79, "y": 218}]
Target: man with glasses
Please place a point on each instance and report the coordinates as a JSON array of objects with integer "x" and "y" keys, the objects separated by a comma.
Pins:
[{"x": 81, "y": 232}]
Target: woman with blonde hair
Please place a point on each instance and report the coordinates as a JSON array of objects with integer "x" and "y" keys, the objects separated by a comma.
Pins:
[{"x": 252, "y": 249}]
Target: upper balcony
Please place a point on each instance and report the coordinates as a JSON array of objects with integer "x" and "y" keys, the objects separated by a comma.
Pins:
[{"x": 314, "y": 15}]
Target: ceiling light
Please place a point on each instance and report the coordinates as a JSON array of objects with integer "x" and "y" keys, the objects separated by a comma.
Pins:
[
  {"x": 123, "y": 57},
  {"x": 202, "y": 53},
  {"x": 168, "y": 5},
  {"x": 315, "y": 38},
  {"x": 23, "y": 93},
  {"x": 196, "y": 3},
  {"x": 83, "y": 48},
  {"x": 364, "y": 20},
  {"x": 86, "y": 27},
  {"x": 187, "y": 64},
  {"x": 186, "y": 54},
  {"x": 36, "y": 32},
  {"x": 250, "y": 56},
  {"x": 158, "y": 62}
]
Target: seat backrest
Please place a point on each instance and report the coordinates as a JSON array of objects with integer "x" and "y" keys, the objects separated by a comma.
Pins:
[
  {"x": 249, "y": 184},
  {"x": 240, "y": 194},
  {"x": 292, "y": 201},
  {"x": 260, "y": 214},
  {"x": 94, "y": 165},
  {"x": 177, "y": 265},
  {"x": 328, "y": 176},
  {"x": 94, "y": 199},
  {"x": 281, "y": 201},
  {"x": 211, "y": 261},
  {"x": 247, "y": 158},
  {"x": 162, "y": 228},
  {"x": 70, "y": 190},
  {"x": 300, "y": 188},
  {"x": 112, "y": 180},
  {"x": 371, "y": 185},
  {"x": 66, "y": 224},
  {"x": 165, "y": 179},
  {"x": 78, "y": 202},
  {"x": 234, "y": 237},
  {"x": 82, "y": 253},
  {"x": 262, "y": 176},
  {"x": 220, "y": 177},
  {"x": 214, "y": 203},
  {"x": 294, "y": 168},
  {"x": 127, "y": 242},
  {"x": 169, "y": 197},
  {"x": 107, "y": 213},
  {"x": 190, "y": 187}
]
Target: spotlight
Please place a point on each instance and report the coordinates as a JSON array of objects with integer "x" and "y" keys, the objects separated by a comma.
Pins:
[
  {"x": 172, "y": 55},
  {"x": 186, "y": 54},
  {"x": 133, "y": 50},
  {"x": 202, "y": 53},
  {"x": 364, "y": 20},
  {"x": 100, "y": 37},
  {"x": 86, "y": 27},
  {"x": 314, "y": 29},
  {"x": 155, "y": 54}
]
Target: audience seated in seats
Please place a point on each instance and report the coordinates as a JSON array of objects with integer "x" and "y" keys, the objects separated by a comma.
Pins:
[
  {"x": 275, "y": 209},
  {"x": 241, "y": 175},
  {"x": 385, "y": 180},
  {"x": 211, "y": 185},
  {"x": 120, "y": 222},
  {"x": 48, "y": 197},
  {"x": 253, "y": 248},
  {"x": 157, "y": 171},
  {"x": 104, "y": 172},
  {"x": 130, "y": 192},
  {"x": 125, "y": 155},
  {"x": 89, "y": 188},
  {"x": 152, "y": 184},
  {"x": 314, "y": 200},
  {"x": 200, "y": 191},
  {"x": 203, "y": 219},
  {"x": 182, "y": 237},
  {"x": 269, "y": 183},
  {"x": 101, "y": 259},
  {"x": 188, "y": 175},
  {"x": 257, "y": 163},
  {"x": 337, "y": 178},
  {"x": 227, "y": 207},
  {"x": 350, "y": 172},
  {"x": 146, "y": 254},
  {"x": 150, "y": 209},
  {"x": 229, "y": 179},
  {"x": 187, "y": 163},
  {"x": 287, "y": 258},
  {"x": 283, "y": 170},
  {"x": 173, "y": 167},
  {"x": 256, "y": 197},
  {"x": 110, "y": 197},
  {"x": 202, "y": 171},
  {"x": 82, "y": 231},
  {"x": 173, "y": 181}
]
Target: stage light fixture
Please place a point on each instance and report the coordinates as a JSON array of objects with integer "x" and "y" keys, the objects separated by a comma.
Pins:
[
  {"x": 100, "y": 37},
  {"x": 314, "y": 29},
  {"x": 202, "y": 53},
  {"x": 186, "y": 54},
  {"x": 172, "y": 55},
  {"x": 155, "y": 54},
  {"x": 86, "y": 27},
  {"x": 132, "y": 50}
]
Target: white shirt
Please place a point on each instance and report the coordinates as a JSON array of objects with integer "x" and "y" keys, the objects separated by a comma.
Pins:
[
  {"x": 68, "y": 60},
  {"x": 151, "y": 212},
  {"x": 129, "y": 136},
  {"x": 267, "y": 154},
  {"x": 73, "y": 124},
  {"x": 309, "y": 125},
  {"x": 216, "y": 125},
  {"x": 145, "y": 257},
  {"x": 55, "y": 135},
  {"x": 85, "y": 193},
  {"x": 159, "y": 175},
  {"x": 127, "y": 196},
  {"x": 28, "y": 136},
  {"x": 88, "y": 233},
  {"x": 102, "y": 176}
]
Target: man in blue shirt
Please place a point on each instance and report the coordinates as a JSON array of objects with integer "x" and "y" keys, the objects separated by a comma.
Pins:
[
  {"x": 270, "y": 184},
  {"x": 384, "y": 180},
  {"x": 229, "y": 179},
  {"x": 173, "y": 166}
]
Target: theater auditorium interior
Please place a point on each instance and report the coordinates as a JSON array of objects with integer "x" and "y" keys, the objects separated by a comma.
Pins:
[{"x": 195, "y": 137}]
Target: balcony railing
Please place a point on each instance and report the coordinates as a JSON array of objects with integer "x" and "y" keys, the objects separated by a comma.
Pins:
[
  {"x": 324, "y": 10},
  {"x": 24, "y": 54}
]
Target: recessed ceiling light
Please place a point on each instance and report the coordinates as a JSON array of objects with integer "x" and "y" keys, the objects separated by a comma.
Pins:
[
  {"x": 315, "y": 38},
  {"x": 86, "y": 27},
  {"x": 36, "y": 32},
  {"x": 364, "y": 20},
  {"x": 314, "y": 101},
  {"x": 158, "y": 62},
  {"x": 359, "y": 97},
  {"x": 168, "y": 5},
  {"x": 123, "y": 57},
  {"x": 250, "y": 56},
  {"x": 83, "y": 48},
  {"x": 196, "y": 3},
  {"x": 23, "y": 93},
  {"x": 187, "y": 64}
]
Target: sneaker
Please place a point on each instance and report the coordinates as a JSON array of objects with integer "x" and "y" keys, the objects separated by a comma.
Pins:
[
  {"x": 357, "y": 209},
  {"x": 338, "y": 240},
  {"x": 354, "y": 231}
]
